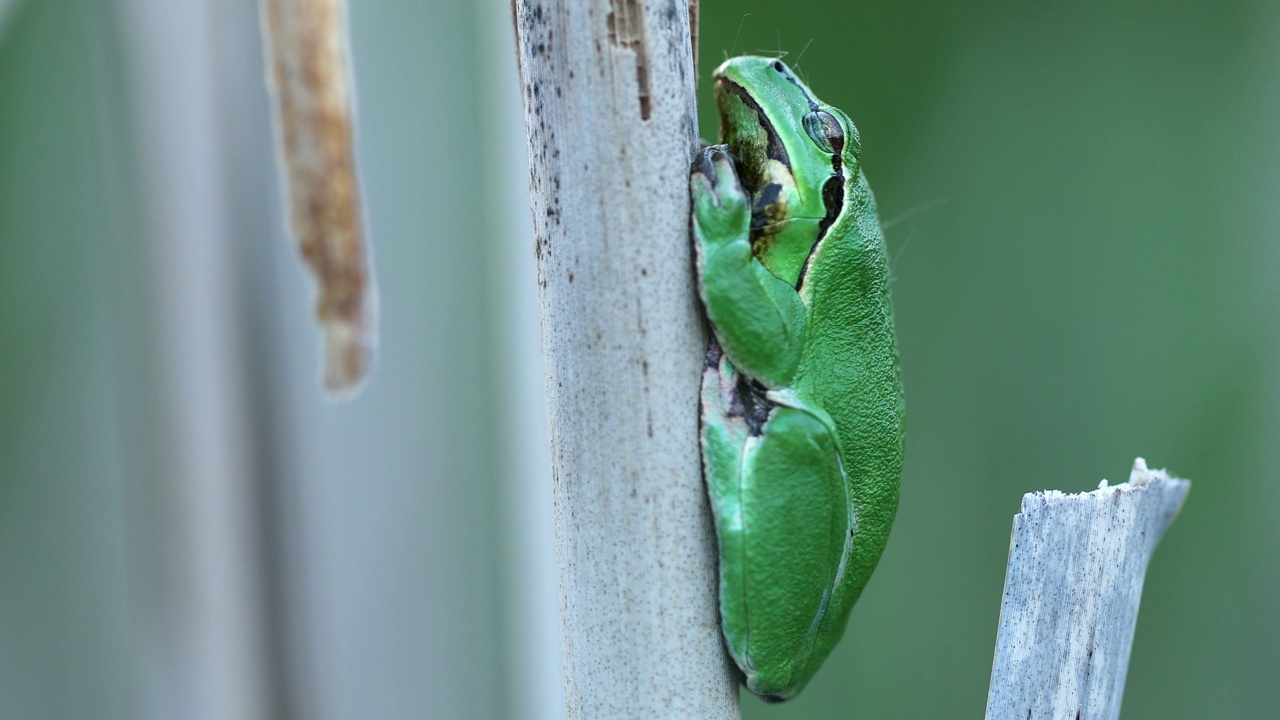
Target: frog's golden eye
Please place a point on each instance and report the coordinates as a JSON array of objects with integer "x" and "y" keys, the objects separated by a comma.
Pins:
[{"x": 825, "y": 130}]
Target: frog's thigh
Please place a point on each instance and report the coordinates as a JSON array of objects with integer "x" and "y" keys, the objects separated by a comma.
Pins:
[{"x": 796, "y": 518}]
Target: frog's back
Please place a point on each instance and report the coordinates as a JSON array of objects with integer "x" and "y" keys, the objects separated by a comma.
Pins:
[{"x": 849, "y": 367}]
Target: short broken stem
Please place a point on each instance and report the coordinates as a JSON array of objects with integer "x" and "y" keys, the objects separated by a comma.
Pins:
[{"x": 1071, "y": 594}]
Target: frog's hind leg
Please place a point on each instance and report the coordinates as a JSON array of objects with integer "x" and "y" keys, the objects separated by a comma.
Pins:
[
  {"x": 783, "y": 518},
  {"x": 724, "y": 436}
]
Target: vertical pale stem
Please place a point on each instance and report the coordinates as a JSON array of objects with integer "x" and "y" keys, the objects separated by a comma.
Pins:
[{"x": 608, "y": 92}]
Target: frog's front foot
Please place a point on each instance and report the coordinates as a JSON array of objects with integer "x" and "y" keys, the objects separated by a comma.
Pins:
[{"x": 721, "y": 208}]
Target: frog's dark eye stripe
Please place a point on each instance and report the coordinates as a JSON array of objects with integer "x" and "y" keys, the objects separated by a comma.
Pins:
[
  {"x": 832, "y": 200},
  {"x": 786, "y": 72}
]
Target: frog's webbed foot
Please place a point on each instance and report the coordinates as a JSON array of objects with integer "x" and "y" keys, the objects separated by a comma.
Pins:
[{"x": 721, "y": 208}]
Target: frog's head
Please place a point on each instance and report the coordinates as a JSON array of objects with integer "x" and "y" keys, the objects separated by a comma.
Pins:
[{"x": 795, "y": 155}]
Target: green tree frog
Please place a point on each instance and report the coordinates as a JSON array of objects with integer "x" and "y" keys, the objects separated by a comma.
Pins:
[{"x": 802, "y": 409}]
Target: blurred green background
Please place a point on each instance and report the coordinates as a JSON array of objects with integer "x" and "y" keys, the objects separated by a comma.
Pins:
[{"x": 1081, "y": 202}]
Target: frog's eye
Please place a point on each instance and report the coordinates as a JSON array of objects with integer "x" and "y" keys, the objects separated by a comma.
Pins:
[{"x": 825, "y": 130}]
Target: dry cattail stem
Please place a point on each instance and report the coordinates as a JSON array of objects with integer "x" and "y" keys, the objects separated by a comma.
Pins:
[{"x": 310, "y": 75}]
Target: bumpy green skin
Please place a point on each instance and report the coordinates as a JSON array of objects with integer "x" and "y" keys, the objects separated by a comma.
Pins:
[{"x": 802, "y": 411}]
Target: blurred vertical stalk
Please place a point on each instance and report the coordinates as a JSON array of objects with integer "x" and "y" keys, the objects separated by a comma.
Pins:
[
  {"x": 210, "y": 659},
  {"x": 532, "y": 633}
]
